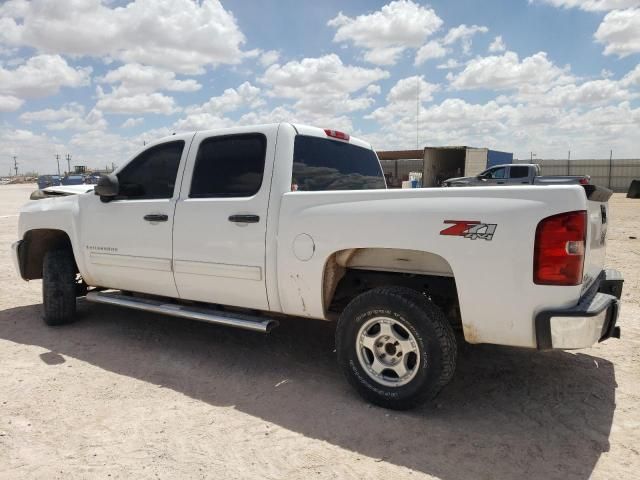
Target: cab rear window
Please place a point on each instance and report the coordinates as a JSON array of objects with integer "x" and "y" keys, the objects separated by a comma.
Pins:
[{"x": 321, "y": 164}]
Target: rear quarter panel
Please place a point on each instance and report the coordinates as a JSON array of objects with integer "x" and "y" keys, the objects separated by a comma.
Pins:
[{"x": 498, "y": 299}]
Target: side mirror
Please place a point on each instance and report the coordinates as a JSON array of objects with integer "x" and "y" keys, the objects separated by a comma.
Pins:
[{"x": 107, "y": 187}]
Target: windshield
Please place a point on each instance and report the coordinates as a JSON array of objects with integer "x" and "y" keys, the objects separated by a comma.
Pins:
[{"x": 322, "y": 164}]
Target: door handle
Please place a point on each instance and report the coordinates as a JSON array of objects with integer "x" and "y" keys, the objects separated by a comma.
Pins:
[
  {"x": 244, "y": 218},
  {"x": 155, "y": 217},
  {"x": 500, "y": 183}
]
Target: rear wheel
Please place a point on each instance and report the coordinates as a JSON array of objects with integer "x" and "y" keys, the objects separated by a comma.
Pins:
[
  {"x": 59, "y": 287},
  {"x": 395, "y": 347}
]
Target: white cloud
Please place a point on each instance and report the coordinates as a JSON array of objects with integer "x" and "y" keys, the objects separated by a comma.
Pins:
[
  {"x": 181, "y": 35},
  {"x": 42, "y": 75},
  {"x": 325, "y": 75},
  {"x": 373, "y": 89},
  {"x": 632, "y": 77},
  {"x": 323, "y": 88},
  {"x": 269, "y": 58},
  {"x": 429, "y": 50},
  {"x": 211, "y": 114},
  {"x": 384, "y": 56},
  {"x": 134, "y": 104},
  {"x": 463, "y": 34},
  {"x": 386, "y": 33},
  {"x": 35, "y": 151},
  {"x": 408, "y": 89},
  {"x": 202, "y": 121},
  {"x": 497, "y": 45},
  {"x": 403, "y": 97},
  {"x": 132, "y": 122},
  {"x": 230, "y": 100},
  {"x": 504, "y": 72},
  {"x": 137, "y": 90},
  {"x": 136, "y": 78},
  {"x": 450, "y": 64},
  {"x": 590, "y": 5},
  {"x": 516, "y": 128},
  {"x": 68, "y": 117},
  {"x": 52, "y": 114},
  {"x": 94, "y": 120},
  {"x": 620, "y": 32},
  {"x": 594, "y": 92},
  {"x": 283, "y": 114},
  {"x": 9, "y": 103}
]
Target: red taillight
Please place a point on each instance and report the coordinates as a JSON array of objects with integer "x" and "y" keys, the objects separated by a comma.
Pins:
[
  {"x": 558, "y": 256},
  {"x": 584, "y": 181},
  {"x": 336, "y": 134}
]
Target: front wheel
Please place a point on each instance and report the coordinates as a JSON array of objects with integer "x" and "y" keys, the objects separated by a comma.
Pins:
[
  {"x": 395, "y": 347},
  {"x": 59, "y": 287}
]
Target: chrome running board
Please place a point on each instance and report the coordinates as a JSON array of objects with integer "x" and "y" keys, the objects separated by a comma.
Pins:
[{"x": 218, "y": 317}]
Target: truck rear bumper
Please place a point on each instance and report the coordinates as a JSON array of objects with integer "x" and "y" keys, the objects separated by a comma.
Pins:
[{"x": 592, "y": 320}]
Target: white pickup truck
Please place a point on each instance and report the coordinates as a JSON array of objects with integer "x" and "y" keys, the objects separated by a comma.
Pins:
[{"x": 241, "y": 226}]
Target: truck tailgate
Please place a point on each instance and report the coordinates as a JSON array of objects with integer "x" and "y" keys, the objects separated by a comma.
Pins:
[{"x": 598, "y": 214}]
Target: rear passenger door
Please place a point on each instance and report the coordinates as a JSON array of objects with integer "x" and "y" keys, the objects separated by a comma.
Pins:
[
  {"x": 221, "y": 218},
  {"x": 518, "y": 175}
]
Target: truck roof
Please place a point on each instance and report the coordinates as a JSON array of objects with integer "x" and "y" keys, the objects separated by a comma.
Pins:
[{"x": 302, "y": 129}]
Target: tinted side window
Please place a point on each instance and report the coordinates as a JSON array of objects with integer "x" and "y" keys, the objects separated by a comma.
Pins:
[
  {"x": 229, "y": 166},
  {"x": 519, "y": 172},
  {"x": 152, "y": 174},
  {"x": 323, "y": 164}
]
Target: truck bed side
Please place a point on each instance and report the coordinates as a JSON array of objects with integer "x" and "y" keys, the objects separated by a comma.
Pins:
[{"x": 493, "y": 275}]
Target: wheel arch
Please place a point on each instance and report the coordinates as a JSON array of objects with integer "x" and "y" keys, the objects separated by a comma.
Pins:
[
  {"x": 406, "y": 267},
  {"x": 35, "y": 244}
]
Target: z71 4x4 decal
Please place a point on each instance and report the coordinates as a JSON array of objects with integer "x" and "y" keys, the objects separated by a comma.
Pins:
[{"x": 470, "y": 229}]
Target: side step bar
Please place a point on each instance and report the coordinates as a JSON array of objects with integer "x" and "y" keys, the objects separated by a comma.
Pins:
[{"x": 218, "y": 317}]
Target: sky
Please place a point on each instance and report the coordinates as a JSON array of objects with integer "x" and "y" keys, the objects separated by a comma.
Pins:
[{"x": 97, "y": 79}]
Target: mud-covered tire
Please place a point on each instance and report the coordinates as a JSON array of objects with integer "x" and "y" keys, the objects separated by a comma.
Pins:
[
  {"x": 59, "y": 287},
  {"x": 426, "y": 327}
]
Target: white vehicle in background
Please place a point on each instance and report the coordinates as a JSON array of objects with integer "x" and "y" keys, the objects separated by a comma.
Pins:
[{"x": 243, "y": 225}]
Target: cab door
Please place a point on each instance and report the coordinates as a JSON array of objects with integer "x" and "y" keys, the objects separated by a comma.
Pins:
[
  {"x": 495, "y": 176},
  {"x": 519, "y": 175},
  {"x": 221, "y": 218},
  {"x": 127, "y": 241}
]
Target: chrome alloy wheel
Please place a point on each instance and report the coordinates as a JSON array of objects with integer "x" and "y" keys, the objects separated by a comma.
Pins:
[{"x": 387, "y": 351}]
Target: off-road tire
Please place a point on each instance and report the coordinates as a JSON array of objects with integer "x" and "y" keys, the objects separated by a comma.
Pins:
[
  {"x": 58, "y": 287},
  {"x": 423, "y": 320}
]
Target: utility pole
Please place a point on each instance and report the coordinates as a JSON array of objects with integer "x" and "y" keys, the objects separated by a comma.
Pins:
[
  {"x": 610, "y": 165},
  {"x": 69, "y": 164},
  {"x": 418, "y": 114},
  {"x": 568, "y": 160},
  {"x": 532, "y": 155},
  {"x": 58, "y": 160},
  {"x": 15, "y": 164}
]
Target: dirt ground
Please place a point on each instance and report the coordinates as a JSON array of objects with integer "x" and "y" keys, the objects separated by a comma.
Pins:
[{"x": 123, "y": 394}]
